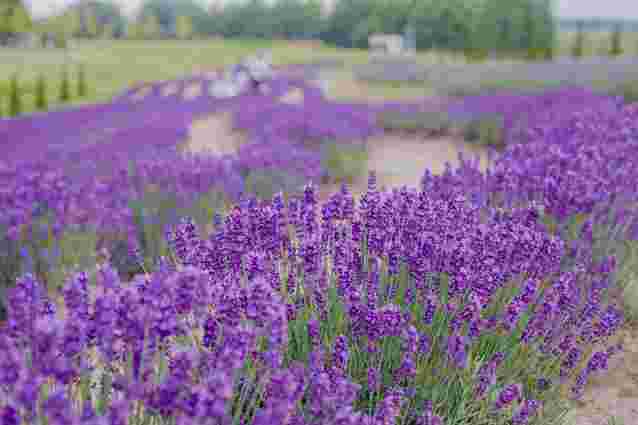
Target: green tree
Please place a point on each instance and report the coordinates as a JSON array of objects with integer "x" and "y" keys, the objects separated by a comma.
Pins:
[
  {"x": 133, "y": 31},
  {"x": 15, "y": 99},
  {"x": 65, "y": 90},
  {"x": 579, "y": 42},
  {"x": 41, "y": 93},
  {"x": 616, "y": 41},
  {"x": 91, "y": 25},
  {"x": 151, "y": 27},
  {"x": 167, "y": 12},
  {"x": 73, "y": 22},
  {"x": 108, "y": 31},
  {"x": 183, "y": 27},
  {"x": 82, "y": 87},
  {"x": 14, "y": 19}
]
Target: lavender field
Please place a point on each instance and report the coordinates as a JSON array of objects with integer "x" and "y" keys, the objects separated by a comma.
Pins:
[{"x": 147, "y": 284}]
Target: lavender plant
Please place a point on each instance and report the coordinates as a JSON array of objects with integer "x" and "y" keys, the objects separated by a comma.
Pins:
[
  {"x": 410, "y": 307},
  {"x": 476, "y": 299}
]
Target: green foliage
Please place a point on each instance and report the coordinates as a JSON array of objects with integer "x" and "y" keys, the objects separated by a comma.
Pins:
[
  {"x": 629, "y": 91},
  {"x": 616, "y": 41},
  {"x": 475, "y": 55},
  {"x": 168, "y": 11},
  {"x": 433, "y": 122},
  {"x": 548, "y": 53},
  {"x": 151, "y": 27},
  {"x": 133, "y": 31},
  {"x": 65, "y": 89},
  {"x": 579, "y": 43},
  {"x": 264, "y": 183},
  {"x": 345, "y": 161},
  {"x": 91, "y": 26},
  {"x": 15, "y": 97},
  {"x": 60, "y": 40},
  {"x": 82, "y": 88},
  {"x": 485, "y": 131},
  {"x": 14, "y": 19},
  {"x": 183, "y": 27},
  {"x": 73, "y": 22},
  {"x": 41, "y": 93}
]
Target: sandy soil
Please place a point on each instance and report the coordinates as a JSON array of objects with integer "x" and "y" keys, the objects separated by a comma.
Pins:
[
  {"x": 214, "y": 135},
  {"x": 294, "y": 97},
  {"x": 613, "y": 393}
]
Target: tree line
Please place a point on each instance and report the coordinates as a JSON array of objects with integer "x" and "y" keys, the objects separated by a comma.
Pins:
[
  {"x": 454, "y": 24},
  {"x": 467, "y": 25},
  {"x": 13, "y": 92}
]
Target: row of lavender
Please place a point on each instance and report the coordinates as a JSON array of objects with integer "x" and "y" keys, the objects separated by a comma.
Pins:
[
  {"x": 87, "y": 178},
  {"x": 411, "y": 306},
  {"x": 384, "y": 311}
]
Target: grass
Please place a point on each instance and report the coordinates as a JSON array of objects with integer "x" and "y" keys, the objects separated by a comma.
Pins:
[
  {"x": 597, "y": 43},
  {"x": 169, "y": 59},
  {"x": 147, "y": 61}
]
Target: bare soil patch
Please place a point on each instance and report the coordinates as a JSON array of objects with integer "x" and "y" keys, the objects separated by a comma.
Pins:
[
  {"x": 613, "y": 393},
  {"x": 401, "y": 159},
  {"x": 214, "y": 135},
  {"x": 293, "y": 97}
]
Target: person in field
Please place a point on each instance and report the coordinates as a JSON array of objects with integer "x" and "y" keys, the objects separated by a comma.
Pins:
[{"x": 253, "y": 71}]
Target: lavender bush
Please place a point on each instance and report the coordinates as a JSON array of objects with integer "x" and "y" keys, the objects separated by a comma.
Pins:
[
  {"x": 482, "y": 298},
  {"x": 410, "y": 307}
]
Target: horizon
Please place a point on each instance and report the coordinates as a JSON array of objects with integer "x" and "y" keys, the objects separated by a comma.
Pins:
[{"x": 563, "y": 9}]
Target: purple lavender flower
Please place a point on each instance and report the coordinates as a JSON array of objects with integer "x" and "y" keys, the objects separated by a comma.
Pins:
[
  {"x": 525, "y": 412},
  {"x": 508, "y": 395},
  {"x": 9, "y": 415},
  {"x": 457, "y": 350},
  {"x": 340, "y": 353}
]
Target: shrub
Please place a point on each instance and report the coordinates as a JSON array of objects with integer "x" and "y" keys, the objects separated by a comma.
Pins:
[
  {"x": 344, "y": 162},
  {"x": 41, "y": 93},
  {"x": 60, "y": 41},
  {"x": 82, "y": 87},
  {"x": 616, "y": 41},
  {"x": 548, "y": 53},
  {"x": 264, "y": 183},
  {"x": 434, "y": 123},
  {"x": 485, "y": 131},
  {"x": 628, "y": 90},
  {"x": 579, "y": 44},
  {"x": 476, "y": 55},
  {"x": 15, "y": 97},
  {"x": 65, "y": 89}
]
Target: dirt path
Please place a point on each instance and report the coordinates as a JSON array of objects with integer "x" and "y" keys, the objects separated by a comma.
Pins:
[
  {"x": 214, "y": 135},
  {"x": 614, "y": 393}
]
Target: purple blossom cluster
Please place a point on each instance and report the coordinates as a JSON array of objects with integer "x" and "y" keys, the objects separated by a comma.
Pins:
[
  {"x": 571, "y": 150},
  {"x": 299, "y": 313},
  {"x": 378, "y": 311}
]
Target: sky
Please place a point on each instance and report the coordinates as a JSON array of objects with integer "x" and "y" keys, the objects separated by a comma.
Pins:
[{"x": 611, "y": 9}]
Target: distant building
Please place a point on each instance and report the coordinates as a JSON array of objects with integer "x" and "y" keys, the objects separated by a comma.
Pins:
[{"x": 386, "y": 44}]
